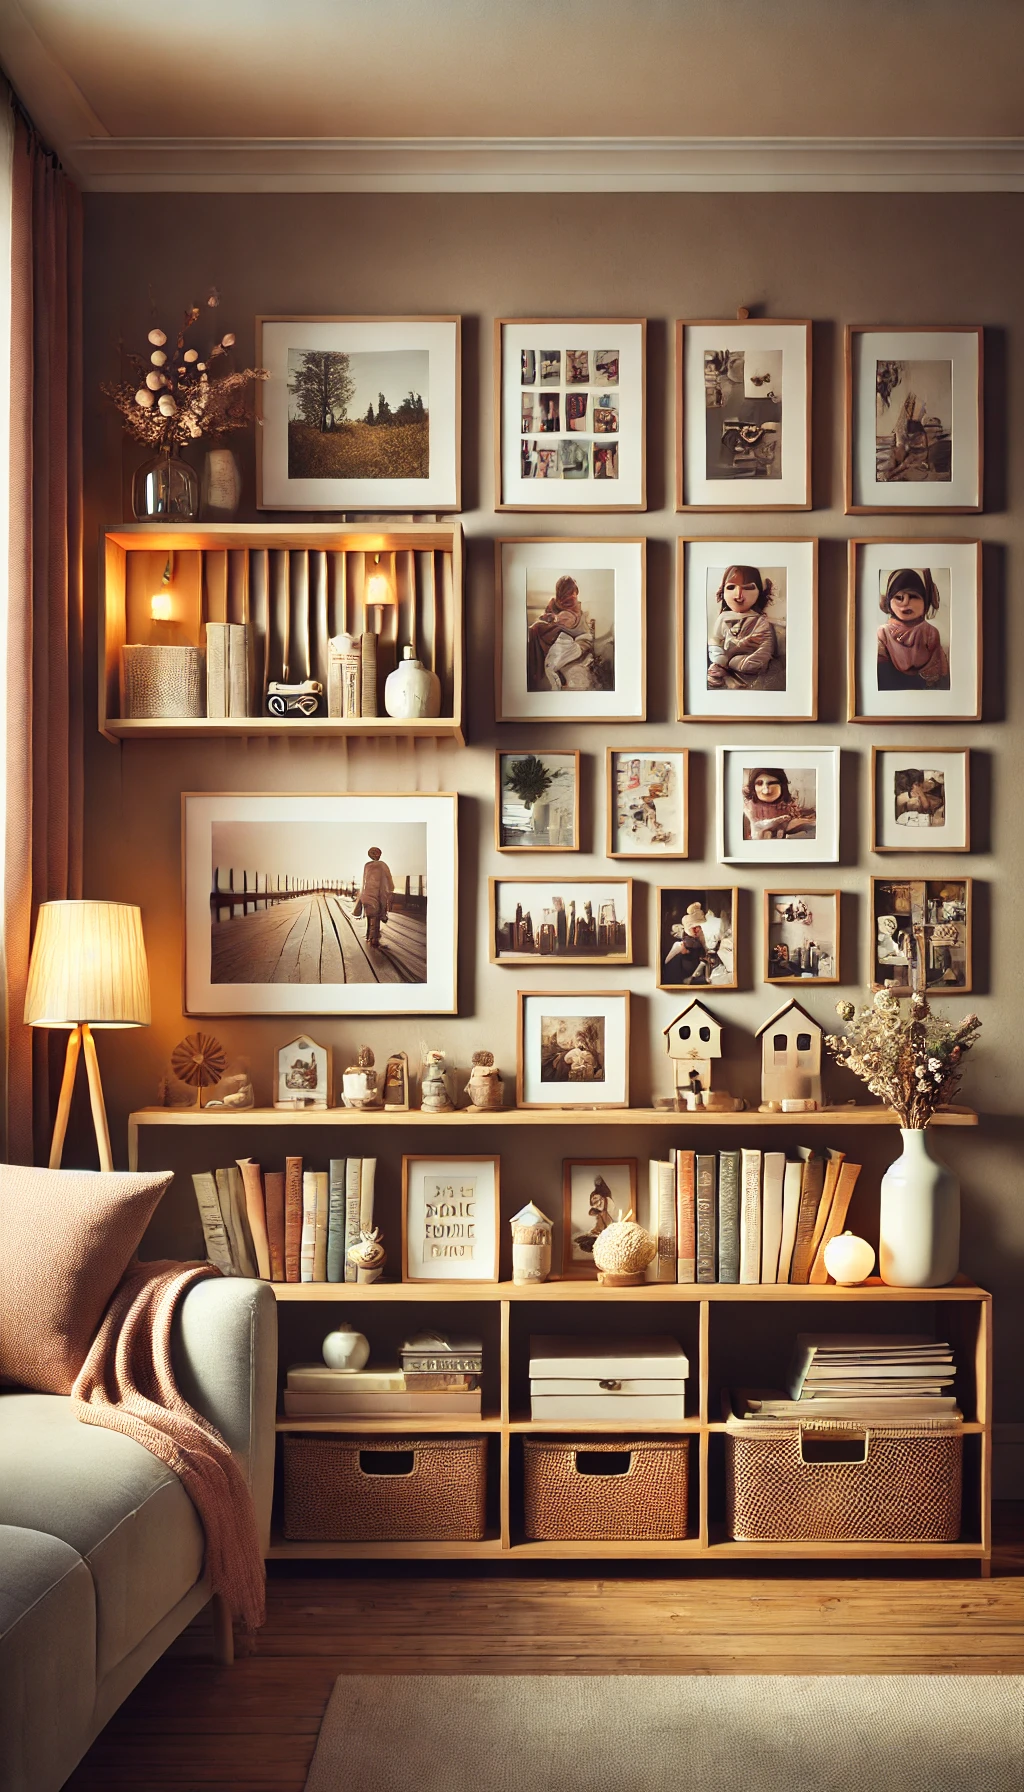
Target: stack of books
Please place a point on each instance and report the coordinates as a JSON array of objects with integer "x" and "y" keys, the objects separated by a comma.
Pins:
[
  {"x": 314, "y": 1392},
  {"x": 290, "y": 1225},
  {"x": 228, "y": 661},
  {"x": 873, "y": 1376}
]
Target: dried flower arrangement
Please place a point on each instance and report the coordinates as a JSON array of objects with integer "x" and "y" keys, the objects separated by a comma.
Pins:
[
  {"x": 176, "y": 397},
  {"x": 914, "y": 1061}
]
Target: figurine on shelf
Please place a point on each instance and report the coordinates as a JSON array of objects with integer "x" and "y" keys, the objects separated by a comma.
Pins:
[
  {"x": 235, "y": 1090},
  {"x": 692, "y": 1040},
  {"x": 790, "y": 1061},
  {"x": 434, "y": 1093},
  {"x": 623, "y": 1252},
  {"x": 485, "y": 1087},
  {"x": 360, "y": 1084},
  {"x": 369, "y": 1255},
  {"x": 531, "y": 1245}
]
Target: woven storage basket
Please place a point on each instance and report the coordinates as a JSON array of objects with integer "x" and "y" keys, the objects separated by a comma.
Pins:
[
  {"x": 332, "y": 1495},
  {"x": 902, "y": 1485},
  {"x": 648, "y": 1501}
]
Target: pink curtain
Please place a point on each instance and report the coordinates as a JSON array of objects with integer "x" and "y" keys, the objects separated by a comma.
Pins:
[{"x": 44, "y": 697}]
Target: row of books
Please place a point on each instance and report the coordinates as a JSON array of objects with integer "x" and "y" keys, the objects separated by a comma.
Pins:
[
  {"x": 862, "y": 1376},
  {"x": 290, "y": 1225},
  {"x": 748, "y": 1215},
  {"x": 228, "y": 668}
]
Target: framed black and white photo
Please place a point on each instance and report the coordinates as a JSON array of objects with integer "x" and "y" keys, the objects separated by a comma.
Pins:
[
  {"x": 914, "y": 625},
  {"x": 561, "y": 920},
  {"x": 914, "y": 428},
  {"x": 921, "y": 933},
  {"x": 747, "y": 631},
  {"x": 697, "y": 942},
  {"x": 778, "y": 805},
  {"x": 920, "y": 799},
  {"x": 569, "y": 414},
  {"x": 537, "y": 801},
  {"x": 743, "y": 414},
  {"x": 573, "y": 1049},
  {"x": 571, "y": 630},
  {"x": 450, "y": 1208},
  {"x": 359, "y": 413},
  {"x": 319, "y": 904},
  {"x": 801, "y": 936},
  {"x": 648, "y": 802},
  {"x": 595, "y": 1191}
]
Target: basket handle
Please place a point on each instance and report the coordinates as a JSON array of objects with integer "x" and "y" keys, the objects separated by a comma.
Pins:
[
  {"x": 831, "y": 1441},
  {"x": 390, "y": 1463},
  {"x": 603, "y": 1456}
]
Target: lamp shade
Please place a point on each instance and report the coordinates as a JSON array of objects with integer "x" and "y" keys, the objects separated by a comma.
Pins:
[{"x": 88, "y": 964}]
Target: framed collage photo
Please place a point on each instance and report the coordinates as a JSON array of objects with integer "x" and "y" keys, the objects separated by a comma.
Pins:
[
  {"x": 571, "y": 623},
  {"x": 914, "y": 427},
  {"x": 747, "y": 631},
  {"x": 595, "y": 1190},
  {"x": 573, "y": 1049},
  {"x": 743, "y": 414},
  {"x": 914, "y": 631},
  {"x": 569, "y": 414},
  {"x": 921, "y": 933},
  {"x": 450, "y": 1209},
  {"x": 561, "y": 920},
  {"x": 359, "y": 413},
  {"x": 778, "y": 805},
  {"x": 920, "y": 799},
  {"x": 648, "y": 802},
  {"x": 537, "y": 801},
  {"x": 801, "y": 936},
  {"x": 697, "y": 938}
]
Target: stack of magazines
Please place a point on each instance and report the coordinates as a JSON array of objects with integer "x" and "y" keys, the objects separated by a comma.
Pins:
[{"x": 873, "y": 1376}]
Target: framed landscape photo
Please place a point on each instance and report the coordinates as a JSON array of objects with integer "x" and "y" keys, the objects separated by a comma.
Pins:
[
  {"x": 921, "y": 933},
  {"x": 537, "y": 801},
  {"x": 920, "y": 799},
  {"x": 801, "y": 936},
  {"x": 569, "y": 414},
  {"x": 648, "y": 802},
  {"x": 359, "y": 413},
  {"x": 563, "y": 920},
  {"x": 778, "y": 805},
  {"x": 450, "y": 1212},
  {"x": 573, "y": 1049},
  {"x": 914, "y": 429},
  {"x": 571, "y": 626},
  {"x": 743, "y": 414},
  {"x": 747, "y": 631},
  {"x": 595, "y": 1190},
  {"x": 302, "y": 1074},
  {"x": 914, "y": 631},
  {"x": 319, "y": 904},
  {"x": 697, "y": 938}
]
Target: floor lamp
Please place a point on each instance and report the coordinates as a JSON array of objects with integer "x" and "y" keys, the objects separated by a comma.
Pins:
[{"x": 88, "y": 969}]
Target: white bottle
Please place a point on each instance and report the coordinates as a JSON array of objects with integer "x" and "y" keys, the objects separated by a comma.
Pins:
[{"x": 410, "y": 691}]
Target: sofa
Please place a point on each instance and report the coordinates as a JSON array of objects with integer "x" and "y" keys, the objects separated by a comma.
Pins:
[{"x": 101, "y": 1549}]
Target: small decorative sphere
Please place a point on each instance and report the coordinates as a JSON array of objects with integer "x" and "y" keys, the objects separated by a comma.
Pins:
[
  {"x": 158, "y": 358},
  {"x": 145, "y": 398},
  {"x": 625, "y": 1248},
  {"x": 191, "y": 354},
  {"x": 166, "y": 405},
  {"x": 157, "y": 338},
  {"x": 228, "y": 341},
  {"x": 154, "y": 381},
  {"x": 345, "y": 1349},
  {"x": 849, "y": 1259},
  {"x": 200, "y": 366}
]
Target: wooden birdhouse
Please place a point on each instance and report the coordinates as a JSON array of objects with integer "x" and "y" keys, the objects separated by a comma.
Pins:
[
  {"x": 692, "y": 1040},
  {"x": 790, "y": 1060}
]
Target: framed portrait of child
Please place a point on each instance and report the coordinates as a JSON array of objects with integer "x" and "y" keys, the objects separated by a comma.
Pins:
[
  {"x": 571, "y": 629},
  {"x": 914, "y": 631},
  {"x": 778, "y": 805},
  {"x": 747, "y": 630},
  {"x": 914, "y": 425},
  {"x": 743, "y": 414}
]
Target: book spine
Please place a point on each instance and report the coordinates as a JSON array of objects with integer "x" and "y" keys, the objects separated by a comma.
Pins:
[
  {"x": 232, "y": 1206},
  {"x": 811, "y": 1185},
  {"x": 216, "y": 669},
  {"x": 750, "y": 1216},
  {"x": 666, "y": 1258},
  {"x": 729, "y": 1216},
  {"x": 218, "y": 1244},
  {"x": 336, "y": 1221},
  {"x": 238, "y": 669},
  {"x": 353, "y": 1180},
  {"x": 238, "y": 1204},
  {"x": 845, "y": 1185},
  {"x": 307, "y": 1248},
  {"x": 705, "y": 1218},
  {"x": 790, "y": 1209},
  {"x": 771, "y": 1214},
  {"x": 368, "y": 682},
  {"x": 292, "y": 1218},
  {"x": 256, "y": 1213},
  {"x": 273, "y": 1185},
  {"x": 321, "y": 1184},
  {"x": 367, "y": 1174},
  {"x": 686, "y": 1216}
]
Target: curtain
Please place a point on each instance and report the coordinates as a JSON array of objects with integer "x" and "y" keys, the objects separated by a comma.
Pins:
[{"x": 43, "y": 724}]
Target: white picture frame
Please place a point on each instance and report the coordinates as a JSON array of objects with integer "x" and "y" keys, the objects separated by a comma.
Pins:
[
  {"x": 720, "y": 677},
  {"x": 780, "y": 348},
  {"x": 942, "y": 624},
  {"x": 930, "y": 456},
  {"x": 920, "y": 799},
  {"x": 594, "y": 1024},
  {"x": 450, "y": 1218},
  {"x": 756, "y": 827},
  {"x": 540, "y": 365},
  {"x": 595, "y": 668}
]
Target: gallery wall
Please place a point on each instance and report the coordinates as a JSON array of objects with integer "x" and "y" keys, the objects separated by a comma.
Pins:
[{"x": 836, "y": 259}]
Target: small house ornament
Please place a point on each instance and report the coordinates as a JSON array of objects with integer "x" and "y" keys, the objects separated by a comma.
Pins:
[
  {"x": 692, "y": 1041},
  {"x": 531, "y": 1245},
  {"x": 369, "y": 1256},
  {"x": 790, "y": 1061}
]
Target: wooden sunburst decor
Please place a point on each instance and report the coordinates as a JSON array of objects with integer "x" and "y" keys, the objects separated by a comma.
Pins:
[{"x": 199, "y": 1061}]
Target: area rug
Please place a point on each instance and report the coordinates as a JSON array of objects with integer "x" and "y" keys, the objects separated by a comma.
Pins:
[{"x": 662, "y": 1733}]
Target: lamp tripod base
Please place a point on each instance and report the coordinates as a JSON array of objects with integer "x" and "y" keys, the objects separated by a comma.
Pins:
[{"x": 80, "y": 1039}]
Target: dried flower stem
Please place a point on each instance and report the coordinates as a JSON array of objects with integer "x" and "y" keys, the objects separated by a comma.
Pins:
[{"x": 913, "y": 1062}]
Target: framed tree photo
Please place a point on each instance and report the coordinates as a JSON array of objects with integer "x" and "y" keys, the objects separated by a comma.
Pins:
[
  {"x": 561, "y": 920},
  {"x": 747, "y": 631},
  {"x": 914, "y": 424},
  {"x": 920, "y": 799},
  {"x": 573, "y": 1049},
  {"x": 697, "y": 938},
  {"x": 648, "y": 802},
  {"x": 537, "y": 801},
  {"x": 801, "y": 936},
  {"x": 450, "y": 1209},
  {"x": 778, "y": 805},
  {"x": 569, "y": 414},
  {"x": 921, "y": 933},
  {"x": 914, "y": 631},
  {"x": 571, "y": 627},
  {"x": 743, "y": 414}
]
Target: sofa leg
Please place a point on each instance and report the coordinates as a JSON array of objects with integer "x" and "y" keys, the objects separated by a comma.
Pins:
[{"x": 223, "y": 1632}]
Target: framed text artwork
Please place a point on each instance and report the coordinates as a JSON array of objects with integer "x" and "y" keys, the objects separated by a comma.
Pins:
[
  {"x": 747, "y": 631},
  {"x": 913, "y": 418},
  {"x": 920, "y": 799},
  {"x": 571, "y": 628},
  {"x": 743, "y": 414},
  {"x": 569, "y": 414},
  {"x": 778, "y": 805},
  {"x": 450, "y": 1211},
  {"x": 914, "y": 631}
]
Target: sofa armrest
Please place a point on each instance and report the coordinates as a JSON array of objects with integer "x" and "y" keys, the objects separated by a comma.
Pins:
[{"x": 224, "y": 1349}]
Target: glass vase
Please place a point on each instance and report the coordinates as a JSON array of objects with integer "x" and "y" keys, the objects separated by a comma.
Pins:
[
  {"x": 919, "y": 1218},
  {"x": 166, "y": 487}
]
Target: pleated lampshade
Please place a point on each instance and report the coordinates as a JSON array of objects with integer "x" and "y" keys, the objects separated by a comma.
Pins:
[{"x": 88, "y": 964}]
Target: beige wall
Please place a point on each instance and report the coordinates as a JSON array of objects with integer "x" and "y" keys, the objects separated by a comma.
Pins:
[{"x": 907, "y": 258}]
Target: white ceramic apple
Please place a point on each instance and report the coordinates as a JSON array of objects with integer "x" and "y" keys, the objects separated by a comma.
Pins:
[{"x": 345, "y": 1349}]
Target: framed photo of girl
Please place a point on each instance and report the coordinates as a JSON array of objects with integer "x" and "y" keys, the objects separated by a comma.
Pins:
[
  {"x": 743, "y": 414},
  {"x": 920, "y": 799},
  {"x": 778, "y": 805},
  {"x": 572, "y": 1049},
  {"x": 914, "y": 425},
  {"x": 747, "y": 630},
  {"x": 537, "y": 801},
  {"x": 648, "y": 802},
  {"x": 697, "y": 938},
  {"x": 914, "y": 631},
  {"x": 801, "y": 936},
  {"x": 595, "y": 1190},
  {"x": 569, "y": 414},
  {"x": 571, "y": 629}
]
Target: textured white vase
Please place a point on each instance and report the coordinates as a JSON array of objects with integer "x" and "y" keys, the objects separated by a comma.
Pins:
[
  {"x": 919, "y": 1218},
  {"x": 345, "y": 1349},
  {"x": 410, "y": 691}
]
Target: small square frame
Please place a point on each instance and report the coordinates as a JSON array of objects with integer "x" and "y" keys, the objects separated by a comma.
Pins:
[
  {"x": 449, "y": 1168},
  {"x": 771, "y": 896},
  {"x": 924, "y": 838},
  {"x": 574, "y": 1004},
  {"x": 823, "y": 849}
]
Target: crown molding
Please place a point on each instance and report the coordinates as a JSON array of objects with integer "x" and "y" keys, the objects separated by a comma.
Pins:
[{"x": 548, "y": 164}]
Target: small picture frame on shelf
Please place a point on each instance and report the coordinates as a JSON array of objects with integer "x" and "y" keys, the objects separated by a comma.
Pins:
[
  {"x": 914, "y": 427},
  {"x": 697, "y": 942},
  {"x": 743, "y": 414},
  {"x": 571, "y": 631},
  {"x": 595, "y": 1190},
  {"x": 395, "y": 1085},
  {"x": 561, "y": 920},
  {"x": 572, "y": 1049},
  {"x": 536, "y": 801},
  {"x": 778, "y": 805},
  {"x": 569, "y": 414},
  {"x": 801, "y": 936},
  {"x": 747, "y": 631},
  {"x": 921, "y": 933},
  {"x": 303, "y": 1072},
  {"x": 914, "y": 631},
  {"x": 920, "y": 799},
  {"x": 450, "y": 1213},
  {"x": 647, "y": 791}
]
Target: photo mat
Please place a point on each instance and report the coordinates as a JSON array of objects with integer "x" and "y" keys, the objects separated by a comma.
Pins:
[
  {"x": 573, "y": 1049},
  {"x": 913, "y": 419},
  {"x": 571, "y": 630},
  {"x": 778, "y": 805},
  {"x": 743, "y": 414},
  {"x": 569, "y": 411},
  {"x": 915, "y": 631},
  {"x": 920, "y": 799},
  {"x": 747, "y": 630}
]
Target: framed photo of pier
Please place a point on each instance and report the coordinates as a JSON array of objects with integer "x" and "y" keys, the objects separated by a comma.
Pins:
[
  {"x": 914, "y": 425},
  {"x": 319, "y": 903},
  {"x": 561, "y": 920}
]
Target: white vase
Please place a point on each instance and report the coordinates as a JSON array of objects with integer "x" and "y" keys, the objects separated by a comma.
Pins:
[
  {"x": 410, "y": 691},
  {"x": 919, "y": 1218},
  {"x": 345, "y": 1349}
]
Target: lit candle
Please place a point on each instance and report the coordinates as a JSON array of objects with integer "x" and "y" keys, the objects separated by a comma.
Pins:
[{"x": 849, "y": 1259}]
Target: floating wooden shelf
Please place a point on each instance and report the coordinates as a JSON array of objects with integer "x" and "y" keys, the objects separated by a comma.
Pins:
[{"x": 555, "y": 1291}]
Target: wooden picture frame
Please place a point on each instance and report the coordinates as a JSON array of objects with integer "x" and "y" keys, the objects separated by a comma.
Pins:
[
  {"x": 922, "y": 802},
  {"x": 793, "y": 560},
  {"x": 898, "y": 921},
  {"x": 650, "y": 792},
  {"x": 795, "y": 897},
  {"x": 752, "y": 832},
  {"x": 790, "y": 352},
  {"x": 303, "y": 1075},
  {"x": 918, "y": 448},
  {"x": 621, "y": 1193},
  {"x": 463, "y": 1242},
  {"x": 572, "y": 1013},
  {"x": 607, "y": 640},
  {"x": 593, "y": 344},
  {"x": 705, "y": 956},
  {"x": 395, "y": 1084},
  {"x": 950, "y": 573},
  {"x": 551, "y": 941},
  {"x": 557, "y": 823}
]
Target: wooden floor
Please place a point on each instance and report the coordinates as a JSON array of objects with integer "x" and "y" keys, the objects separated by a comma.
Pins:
[
  {"x": 317, "y": 939},
  {"x": 193, "y": 1725}
]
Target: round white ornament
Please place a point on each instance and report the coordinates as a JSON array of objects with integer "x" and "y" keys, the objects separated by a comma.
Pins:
[
  {"x": 345, "y": 1349},
  {"x": 849, "y": 1259}
]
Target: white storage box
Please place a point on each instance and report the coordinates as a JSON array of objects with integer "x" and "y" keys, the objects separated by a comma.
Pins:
[{"x": 602, "y": 1378}]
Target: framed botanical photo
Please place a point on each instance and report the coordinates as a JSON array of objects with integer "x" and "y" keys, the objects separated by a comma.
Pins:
[
  {"x": 319, "y": 904},
  {"x": 573, "y": 1049},
  {"x": 648, "y": 802},
  {"x": 920, "y": 799},
  {"x": 913, "y": 418},
  {"x": 563, "y": 920},
  {"x": 914, "y": 631},
  {"x": 537, "y": 801},
  {"x": 571, "y": 628},
  {"x": 697, "y": 938},
  {"x": 801, "y": 936},
  {"x": 450, "y": 1214},
  {"x": 569, "y": 414},
  {"x": 359, "y": 413},
  {"x": 747, "y": 631},
  {"x": 743, "y": 414},
  {"x": 302, "y": 1075},
  {"x": 921, "y": 933},
  {"x": 778, "y": 805},
  {"x": 595, "y": 1190}
]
